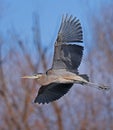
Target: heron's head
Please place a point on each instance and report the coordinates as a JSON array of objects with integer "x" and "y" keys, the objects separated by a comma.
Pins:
[{"x": 35, "y": 76}]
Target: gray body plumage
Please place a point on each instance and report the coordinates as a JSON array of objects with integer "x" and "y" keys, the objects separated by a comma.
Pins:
[{"x": 67, "y": 57}]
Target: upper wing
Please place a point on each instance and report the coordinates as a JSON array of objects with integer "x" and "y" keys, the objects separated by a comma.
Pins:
[
  {"x": 52, "y": 92},
  {"x": 67, "y": 56},
  {"x": 70, "y": 30}
]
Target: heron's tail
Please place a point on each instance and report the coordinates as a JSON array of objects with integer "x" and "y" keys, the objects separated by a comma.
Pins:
[{"x": 84, "y": 76}]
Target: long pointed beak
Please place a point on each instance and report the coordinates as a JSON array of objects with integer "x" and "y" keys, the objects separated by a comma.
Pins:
[{"x": 30, "y": 77}]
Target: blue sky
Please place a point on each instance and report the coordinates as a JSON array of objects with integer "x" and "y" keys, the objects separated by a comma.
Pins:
[{"x": 18, "y": 15}]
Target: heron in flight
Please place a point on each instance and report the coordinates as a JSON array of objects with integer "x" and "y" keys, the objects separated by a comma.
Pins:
[{"x": 58, "y": 80}]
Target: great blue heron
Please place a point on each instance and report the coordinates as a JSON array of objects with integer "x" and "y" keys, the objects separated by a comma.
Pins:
[{"x": 67, "y": 57}]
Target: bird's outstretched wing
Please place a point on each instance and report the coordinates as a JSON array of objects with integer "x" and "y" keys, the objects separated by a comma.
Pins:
[
  {"x": 70, "y": 30},
  {"x": 67, "y": 56},
  {"x": 52, "y": 92}
]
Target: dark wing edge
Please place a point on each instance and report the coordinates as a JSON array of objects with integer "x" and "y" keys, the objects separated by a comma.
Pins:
[
  {"x": 67, "y": 56},
  {"x": 70, "y": 30},
  {"x": 52, "y": 92}
]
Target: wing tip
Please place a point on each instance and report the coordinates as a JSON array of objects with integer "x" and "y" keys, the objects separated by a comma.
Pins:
[{"x": 70, "y": 30}]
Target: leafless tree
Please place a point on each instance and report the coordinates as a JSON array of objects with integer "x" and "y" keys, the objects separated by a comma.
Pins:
[{"x": 91, "y": 109}]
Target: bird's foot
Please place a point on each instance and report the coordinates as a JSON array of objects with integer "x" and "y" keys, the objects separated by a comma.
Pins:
[{"x": 103, "y": 87}]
